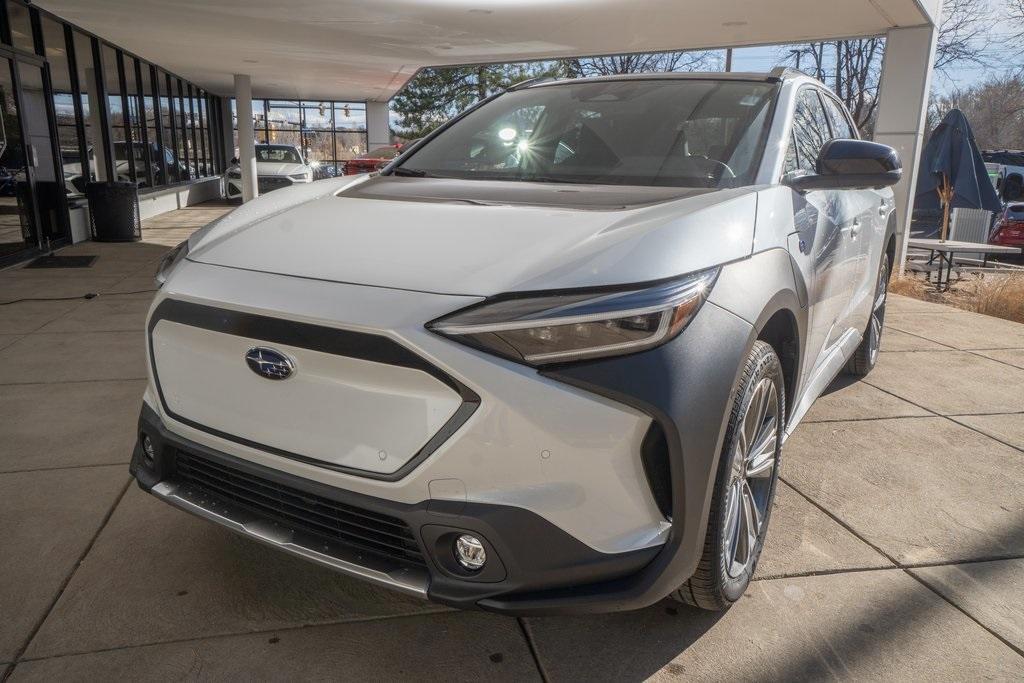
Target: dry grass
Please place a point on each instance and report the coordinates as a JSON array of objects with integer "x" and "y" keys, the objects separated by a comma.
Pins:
[{"x": 1000, "y": 295}]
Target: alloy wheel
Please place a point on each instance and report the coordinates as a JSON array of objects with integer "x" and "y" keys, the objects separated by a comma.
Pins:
[
  {"x": 878, "y": 311},
  {"x": 753, "y": 464}
]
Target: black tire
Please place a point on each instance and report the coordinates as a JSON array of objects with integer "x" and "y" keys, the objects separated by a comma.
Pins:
[
  {"x": 865, "y": 357},
  {"x": 719, "y": 580}
]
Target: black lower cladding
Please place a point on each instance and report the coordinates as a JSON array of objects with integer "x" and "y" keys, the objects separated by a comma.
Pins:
[{"x": 530, "y": 556}]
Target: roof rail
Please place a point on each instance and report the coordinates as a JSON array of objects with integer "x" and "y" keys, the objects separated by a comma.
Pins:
[
  {"x": 528, "y": 82},
  {"x": 781, "y": 72}
]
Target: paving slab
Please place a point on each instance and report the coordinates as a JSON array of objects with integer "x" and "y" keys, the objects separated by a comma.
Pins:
[
  {"x": 921, "y": 489},
  {"x": 28, "y": 316},
  {"x": 988, "y": 591},
  {"x": 103, "y": 314},
  {"x": 1007, "y": 428},
  {"x": 13, "y": 285},
  {"x": 962, "y": 329},
  {"x": 444, "y": 647},
  {"x": 895, "y": 340},
  {"x": 897, "y": 305},
  {"x": 48, "y": 520},
  {"x": 1014, "y": 357},
  {"x": 874, "y": 625},
  {"x": 848, "y": 398},
  {"x": 8, "y": 339},
  {"x": 158, "y": 574},
  {"x": 802, "y": 540},
  {"x": 74, "y": 357},
  {"x": 94, "y": 425},
  {"x": 143, "y": 285},
  {"x": 950, "y": 382}
]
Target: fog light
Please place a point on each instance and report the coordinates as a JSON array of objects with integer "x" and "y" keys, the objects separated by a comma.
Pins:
[
  {"x": 469, "y": 551},
  {"x": 148, "y": 451}
]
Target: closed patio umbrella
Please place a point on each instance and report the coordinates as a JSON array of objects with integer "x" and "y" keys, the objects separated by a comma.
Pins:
[{"x": 953, "y": 174}]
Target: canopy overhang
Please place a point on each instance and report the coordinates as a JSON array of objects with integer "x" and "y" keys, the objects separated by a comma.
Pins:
[{"x": 368, "y": 49}]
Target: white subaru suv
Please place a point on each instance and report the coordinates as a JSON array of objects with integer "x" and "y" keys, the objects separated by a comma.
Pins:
[{"x": 545, "y": 361}]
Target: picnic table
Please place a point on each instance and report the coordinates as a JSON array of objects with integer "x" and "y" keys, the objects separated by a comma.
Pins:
[{"x": 945, "y": 250}]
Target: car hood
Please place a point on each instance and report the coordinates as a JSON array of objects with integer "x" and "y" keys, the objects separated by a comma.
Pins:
[
  {"x": 277, "y": 168},
  {"x": 455, "y": 238}
]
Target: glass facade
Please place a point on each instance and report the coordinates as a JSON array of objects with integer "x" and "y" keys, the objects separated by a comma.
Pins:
[
  {"x": 83, "y": 110},
  {"x": 327, "y": 133}
]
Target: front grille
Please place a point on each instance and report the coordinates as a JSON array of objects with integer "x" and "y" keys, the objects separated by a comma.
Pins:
[
  {"x": 268, "y": 183},
  {"x": 353, "y": 526}
]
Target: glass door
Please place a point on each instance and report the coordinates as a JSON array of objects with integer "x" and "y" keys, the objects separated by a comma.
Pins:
[
  {"x": 47, "y": 187},
  {"x": 17, "y": 219}
]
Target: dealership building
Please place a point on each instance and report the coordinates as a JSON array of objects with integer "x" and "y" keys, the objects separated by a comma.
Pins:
[{"x": 163, "y": 93}]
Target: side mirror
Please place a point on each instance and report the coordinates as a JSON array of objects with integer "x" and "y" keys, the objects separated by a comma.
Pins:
[{"x": 851, "y": 165}]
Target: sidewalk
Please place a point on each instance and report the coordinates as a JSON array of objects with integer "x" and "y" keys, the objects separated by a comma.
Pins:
[{"x": 896, "y": 548}]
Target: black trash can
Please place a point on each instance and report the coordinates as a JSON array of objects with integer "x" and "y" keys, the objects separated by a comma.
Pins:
[{"x": 114, "y": 211}]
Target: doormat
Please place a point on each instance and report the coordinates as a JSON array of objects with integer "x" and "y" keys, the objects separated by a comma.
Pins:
[{"x": 62, "y": 262}]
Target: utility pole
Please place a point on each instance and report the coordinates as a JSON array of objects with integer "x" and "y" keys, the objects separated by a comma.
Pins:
[
  {"x": 728, "y": 59},
  {"x": 796, "y": 53}
]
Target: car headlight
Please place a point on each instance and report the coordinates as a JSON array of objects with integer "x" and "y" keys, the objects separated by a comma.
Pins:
[
  {"x": 170, "y": 261},
  {"x": 558, "y": 328},
  {"x": 301, "y": 176}
]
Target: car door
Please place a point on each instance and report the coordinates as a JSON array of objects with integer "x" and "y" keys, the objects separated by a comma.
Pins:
[
  {"x": 865, "y": 233},
  {"x": 819, "y": 244}
]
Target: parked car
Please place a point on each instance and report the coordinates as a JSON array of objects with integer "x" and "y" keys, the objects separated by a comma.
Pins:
[
  {"x": 557, "y": 372},
  {"x": 1009, "y": 228},
  {"x": 277, "y": 166},
  {"x": 376, "y": 158},
  {"x": 1010, "y": 174}
]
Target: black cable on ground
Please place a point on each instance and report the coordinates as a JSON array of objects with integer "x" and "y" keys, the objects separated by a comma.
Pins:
[{"x": 90, "y": 295}]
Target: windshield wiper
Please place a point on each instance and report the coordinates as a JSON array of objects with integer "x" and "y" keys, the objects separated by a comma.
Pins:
[{"x": 410, "y": 172}]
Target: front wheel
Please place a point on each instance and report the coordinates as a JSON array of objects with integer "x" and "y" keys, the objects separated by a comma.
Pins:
[
  {"x": 745, "y": 486},
  {"x": 864, "y": 358}
]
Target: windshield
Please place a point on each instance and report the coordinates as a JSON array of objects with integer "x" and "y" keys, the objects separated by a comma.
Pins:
[
  {"x": 667, "y": 132},
  {"x": 282, "y": 154}
]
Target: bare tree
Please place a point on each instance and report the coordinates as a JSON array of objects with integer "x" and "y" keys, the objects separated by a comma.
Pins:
[
  {"x": 641, "y": 63},
  {"x": 852, "y": 67},
  {"x": 994, "y": 107}
]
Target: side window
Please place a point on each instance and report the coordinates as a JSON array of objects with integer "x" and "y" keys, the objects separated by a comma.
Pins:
[
  {"x": 841, "y": 127},
  {"x": 810, "y": 129},
  {"x": 790, "y": 164}
]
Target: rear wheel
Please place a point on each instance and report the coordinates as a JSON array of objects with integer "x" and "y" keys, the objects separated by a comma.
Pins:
[
  {"x": 745, "y": 486},
  {"x": 864, "y": 358}
]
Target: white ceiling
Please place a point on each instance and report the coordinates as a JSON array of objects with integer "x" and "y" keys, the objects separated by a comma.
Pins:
[{"x": 367, "y": 49}]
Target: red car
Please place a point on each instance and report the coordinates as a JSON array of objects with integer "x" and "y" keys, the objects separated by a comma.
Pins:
[
  {"x": 374, "y": 159},
  {"x": 1009, "y": 230}
]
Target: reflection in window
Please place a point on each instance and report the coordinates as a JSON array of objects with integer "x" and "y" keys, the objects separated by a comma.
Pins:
[{"x": 327, "y": 133}]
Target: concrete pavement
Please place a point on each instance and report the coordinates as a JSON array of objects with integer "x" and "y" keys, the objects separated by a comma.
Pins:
[{"x": 896, "y": 548}]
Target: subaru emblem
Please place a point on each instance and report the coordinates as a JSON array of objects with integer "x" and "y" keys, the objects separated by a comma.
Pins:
[{"x": 269, "y": 363}]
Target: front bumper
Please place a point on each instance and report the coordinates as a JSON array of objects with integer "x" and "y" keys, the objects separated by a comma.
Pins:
[
  {"x": 573, "y": 526},
  {"x": 527, "y": 555}
]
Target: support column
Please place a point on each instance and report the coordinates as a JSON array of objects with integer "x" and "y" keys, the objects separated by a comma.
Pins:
[
  {"x": 95, "y": 130},
  {"x": 903, "y": 103},
  {"x": 378, "y": 125},
  {"x": 246, "y": 137}
]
